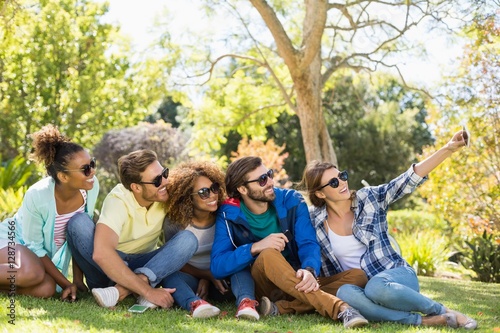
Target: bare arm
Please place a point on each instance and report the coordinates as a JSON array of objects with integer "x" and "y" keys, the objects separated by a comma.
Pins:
[
  {"x": 69, "y": 289},
  {"x": 105, "y": 244},
  {"x": 430, "y": 163}
]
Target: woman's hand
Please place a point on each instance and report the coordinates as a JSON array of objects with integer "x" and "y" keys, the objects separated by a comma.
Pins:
[
  {"x": 69, "y": 293},
  {"x": 220, "y": 285},
  {"x": 203, "y": 286}
]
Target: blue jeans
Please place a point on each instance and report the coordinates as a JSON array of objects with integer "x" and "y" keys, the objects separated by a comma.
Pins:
[
  {"x": 242, "y": 286},
  {"x": 156, "y": 265},
  {"x": 392, "y": 295}
]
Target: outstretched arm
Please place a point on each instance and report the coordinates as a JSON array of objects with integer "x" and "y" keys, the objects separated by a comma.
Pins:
[{"x": 430, "y": 163}]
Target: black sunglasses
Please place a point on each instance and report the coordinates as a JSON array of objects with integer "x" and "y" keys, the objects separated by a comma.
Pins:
[
  {"x": 86, "y": 168},
  {"x": 262, "y": 179},
  {"x": 158, "y": 179},
  {"x": 334, "y": 182},
  {"x": 204, "y": 192}
]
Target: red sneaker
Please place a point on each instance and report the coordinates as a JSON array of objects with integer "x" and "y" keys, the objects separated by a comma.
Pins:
[
  {"x": 246, "y": 309},
  {"x": 203, "y": 309}
]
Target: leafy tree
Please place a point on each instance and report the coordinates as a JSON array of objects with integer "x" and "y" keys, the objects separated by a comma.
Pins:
[
  {"x": 467, "y": 188},
  {"x": 285, "y": 52},
  {"x": 60, "y": 64}
]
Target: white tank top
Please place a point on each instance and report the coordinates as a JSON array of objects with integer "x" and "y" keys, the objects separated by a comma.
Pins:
[{"x": 347, "y": 249}]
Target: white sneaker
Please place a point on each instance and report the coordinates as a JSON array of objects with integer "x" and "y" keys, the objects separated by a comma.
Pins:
[
  {"x": 142, "y": 301},
  {"x": 246, "y": 310},
  {"x": 106, "y": 297},
  {"x": 203, "y": 309}
]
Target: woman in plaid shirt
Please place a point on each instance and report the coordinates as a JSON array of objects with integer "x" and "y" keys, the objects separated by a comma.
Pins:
[{"x": 352, "y": 231}]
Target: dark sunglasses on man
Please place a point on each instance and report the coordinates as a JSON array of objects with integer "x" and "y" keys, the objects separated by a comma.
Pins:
[
  {"x": 262, "y": 180},
  {"x": 158, "y": 179},
  {"x": 204, "y": 192},
  {"x": 86, "y": 169}
]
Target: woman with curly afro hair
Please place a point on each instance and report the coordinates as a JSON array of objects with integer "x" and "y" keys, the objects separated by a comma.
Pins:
[
  {"x": 196, "y": 190},
  {"x": 34, "y": 255}
]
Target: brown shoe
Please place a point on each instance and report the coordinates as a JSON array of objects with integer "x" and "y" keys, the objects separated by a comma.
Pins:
[{"x": 446, "y": 319}]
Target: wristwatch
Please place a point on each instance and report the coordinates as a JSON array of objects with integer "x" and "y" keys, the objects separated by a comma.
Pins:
[{"x": 312, "y": 271}]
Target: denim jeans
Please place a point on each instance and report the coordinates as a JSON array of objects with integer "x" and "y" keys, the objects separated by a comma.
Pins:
[
  {"x": 156, "y": 265},
  {"x": 392, "y": 295},
  {"x": 242, "y": 286}
]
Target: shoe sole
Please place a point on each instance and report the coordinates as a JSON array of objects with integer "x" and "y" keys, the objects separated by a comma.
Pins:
[
  {"x": 248, "y": 316},
  {"x": 206, "y": 313},
  {"x": 357, "y": 323},
  {"x": 265, "y": 307},
  {"x": 99, "y": 300}
]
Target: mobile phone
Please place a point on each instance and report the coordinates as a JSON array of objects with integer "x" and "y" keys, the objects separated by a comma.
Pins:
[
  {"x": 288, "y": 234},
  {"x": 466, "y": 136},
  {"x": 137, "y": 308}
]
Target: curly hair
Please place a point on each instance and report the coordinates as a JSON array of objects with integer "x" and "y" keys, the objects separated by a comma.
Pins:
[
  {"x": 53, "y": 150},
  {"x": 179, "y": 206}
]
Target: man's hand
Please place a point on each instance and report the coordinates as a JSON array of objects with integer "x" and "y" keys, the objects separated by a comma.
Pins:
[
  {"x": 273, "y": 241},
  {"x": 161, "y": 296},
  {"x": 308, "y": 283},
  {"x": 220, "y": 286}
]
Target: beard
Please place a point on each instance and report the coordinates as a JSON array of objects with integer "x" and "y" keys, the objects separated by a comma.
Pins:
[{"x": 260, "y": 195}]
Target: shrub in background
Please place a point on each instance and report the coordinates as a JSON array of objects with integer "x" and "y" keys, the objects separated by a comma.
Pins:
[
  {"x": 409, "y": 221},
  {"x": 16, "y": 173},
  {"x": 426, "y": 251},
  {"x": 10, "y": 201},
  {"x": 169, "y": 144},
  {"x": 482, "y": 255}
]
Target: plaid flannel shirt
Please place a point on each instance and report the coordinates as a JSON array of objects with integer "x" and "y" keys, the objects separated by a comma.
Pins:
[{"x": 370, "y": 226}]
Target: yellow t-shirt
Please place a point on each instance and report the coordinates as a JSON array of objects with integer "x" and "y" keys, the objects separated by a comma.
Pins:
[{"x": 138, "y": 228}]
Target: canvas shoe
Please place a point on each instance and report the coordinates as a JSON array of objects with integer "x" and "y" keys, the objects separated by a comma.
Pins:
[
  {"x": 246, "y": 309},
  {"x": 142, "y": 301},
  {"x": 268, "y": 308},
  {"x": 203, "y": 309},
  {"x": 106, "y": 297},
  {"x": 352, "y": 318}
]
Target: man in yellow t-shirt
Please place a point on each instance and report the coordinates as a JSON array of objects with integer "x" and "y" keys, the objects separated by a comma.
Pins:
[{"x": 120, "y": 254}]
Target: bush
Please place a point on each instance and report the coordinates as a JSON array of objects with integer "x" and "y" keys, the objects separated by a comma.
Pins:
[
  {"x": 10, "y": 201},
  {"x": 425, "y": 251},
  {"x": 16, "y": 173},
  {"x": 482, "y": 255},
  {"x": 412, "y": 221}
]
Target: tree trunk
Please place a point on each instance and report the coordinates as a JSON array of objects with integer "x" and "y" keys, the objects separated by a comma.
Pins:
[{"x": 315, "y": 136}]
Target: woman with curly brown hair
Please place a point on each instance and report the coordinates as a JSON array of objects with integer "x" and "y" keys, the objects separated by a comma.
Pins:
[
  {"x": 196, "y": 191},
  {"x": 34, "y": 256}
]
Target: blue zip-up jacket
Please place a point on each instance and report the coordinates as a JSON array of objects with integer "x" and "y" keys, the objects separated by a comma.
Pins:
[{"x": 233, "y": 237}]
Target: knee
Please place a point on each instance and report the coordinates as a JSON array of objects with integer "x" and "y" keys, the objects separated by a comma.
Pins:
[
  {"x": 377, "y": 289},
  {"x": 345, "y": 291},
  {"x": 79, "y": 224},
  {"x": 268, "y": 255},
  {"x": 188, "y": 240}
]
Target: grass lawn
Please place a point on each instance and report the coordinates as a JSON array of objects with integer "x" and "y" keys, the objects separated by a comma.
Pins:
[{"x": 479, "y": 300}]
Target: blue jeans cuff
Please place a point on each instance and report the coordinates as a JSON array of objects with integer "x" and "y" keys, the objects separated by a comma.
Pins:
[{"x": 149, "y": 273}]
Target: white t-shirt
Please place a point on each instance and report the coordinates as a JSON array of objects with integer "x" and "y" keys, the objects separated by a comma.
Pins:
[
  {"x": 347, "y": 249},
  {"x": 205, "y": 236}
]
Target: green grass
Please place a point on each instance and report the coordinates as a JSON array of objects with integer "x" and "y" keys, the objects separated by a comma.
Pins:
[{"x": 479, "y": 300}]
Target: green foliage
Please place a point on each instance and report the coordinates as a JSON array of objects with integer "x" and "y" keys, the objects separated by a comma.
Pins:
[
  {"x": 377, "y": 126},
  {"x": 466, "y": 186},
  {"x": 483, "y": 257},
  {"x": 425, "y": 251},
  {"x": 60, "y": 64},
  {"x": 411, "y": 221},
  {"x": 16, "y": 172},
  {"x": 10, "y": 201}
]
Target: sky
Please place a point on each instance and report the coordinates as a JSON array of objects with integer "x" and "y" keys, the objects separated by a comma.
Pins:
[{"x": 136, "y": 19}]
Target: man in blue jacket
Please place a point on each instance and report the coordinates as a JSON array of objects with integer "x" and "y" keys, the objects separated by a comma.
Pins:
[{"x": 268, "y": 231}]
